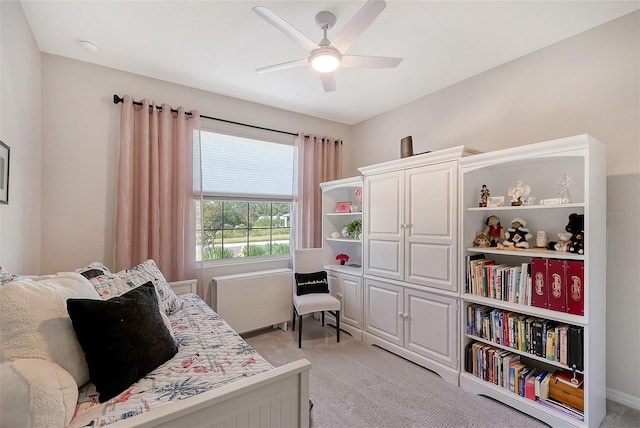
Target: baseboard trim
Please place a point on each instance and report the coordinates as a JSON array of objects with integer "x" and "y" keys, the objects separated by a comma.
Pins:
[{"x": 622, "y": 398}]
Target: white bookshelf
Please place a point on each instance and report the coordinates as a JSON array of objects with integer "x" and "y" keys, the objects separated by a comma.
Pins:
[
  {"x": 345, "y": 281},
  {"x": 540, "y": 167}
]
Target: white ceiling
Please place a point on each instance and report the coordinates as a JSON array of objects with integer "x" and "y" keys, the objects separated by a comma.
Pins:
[{"x": 217, "y": 45}]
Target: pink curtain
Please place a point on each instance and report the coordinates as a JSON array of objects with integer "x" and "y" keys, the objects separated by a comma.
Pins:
[
  {"x": 154, "y": 196},
  {"x": 319, "y": 160}
]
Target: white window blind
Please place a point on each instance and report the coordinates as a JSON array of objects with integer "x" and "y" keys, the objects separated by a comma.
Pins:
[{"x": 237, "y": 167}]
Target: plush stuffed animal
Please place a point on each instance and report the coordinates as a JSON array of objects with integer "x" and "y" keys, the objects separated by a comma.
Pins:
[
  {"x": 482, "y": 240},
  {"x": 576, "y": 228},
  {"x": 517, "y": 235},
  {"x": 494, "y": 231},
  {"x": 564, "y": 242}
]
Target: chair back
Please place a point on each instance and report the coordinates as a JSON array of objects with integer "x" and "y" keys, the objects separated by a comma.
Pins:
[{"x": 307, "y": 260}]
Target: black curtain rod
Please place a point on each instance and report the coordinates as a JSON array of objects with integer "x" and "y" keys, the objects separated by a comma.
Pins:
[{"x": 118, "y": 100}]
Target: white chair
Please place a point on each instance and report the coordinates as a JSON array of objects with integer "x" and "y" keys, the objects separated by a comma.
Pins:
[{"x": 309, "y": 260}]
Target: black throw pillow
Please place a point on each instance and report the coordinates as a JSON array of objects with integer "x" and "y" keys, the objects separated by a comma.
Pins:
[
  {"x": 123, "y": 338},
  {"x": 315, "y": 282}
]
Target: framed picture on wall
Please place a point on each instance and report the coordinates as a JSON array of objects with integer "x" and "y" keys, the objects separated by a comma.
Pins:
[
  {"x": 343, "y": 207},
  {"x": 4, "y": 173}
]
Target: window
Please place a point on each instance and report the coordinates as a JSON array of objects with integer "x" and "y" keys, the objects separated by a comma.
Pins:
[{"x": 247, "y": 186}]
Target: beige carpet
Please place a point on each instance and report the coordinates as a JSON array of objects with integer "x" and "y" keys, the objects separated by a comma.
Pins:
[{"x": 357, "y": 385}]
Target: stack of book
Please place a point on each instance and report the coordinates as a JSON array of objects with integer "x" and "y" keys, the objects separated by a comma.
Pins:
[
  {"x": 557, "y": 285},
  {"x": 497, "y": 281},
  {"x": 545, "y": 338},
  {"x": 561, "y": 390}
]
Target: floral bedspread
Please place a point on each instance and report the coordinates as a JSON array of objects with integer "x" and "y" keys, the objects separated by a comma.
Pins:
[{"x": 210, "y": 354}]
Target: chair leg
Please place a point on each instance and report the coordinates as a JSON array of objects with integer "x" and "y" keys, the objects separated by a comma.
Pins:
[
  {"x": 338, "y": 325},
  {"x": 293, "y": 319},
  {"x": 323, "y": 318},
  {"x": 300, "y": 331}
]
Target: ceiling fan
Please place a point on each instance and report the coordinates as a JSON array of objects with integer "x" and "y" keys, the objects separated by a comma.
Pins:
[{"x": 326, "y": 56}]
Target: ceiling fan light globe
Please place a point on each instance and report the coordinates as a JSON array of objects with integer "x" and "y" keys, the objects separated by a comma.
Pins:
[{"x": 325, "y": 62}]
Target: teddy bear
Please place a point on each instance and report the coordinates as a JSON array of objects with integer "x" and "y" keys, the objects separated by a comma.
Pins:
[
  {"x": 564, "y": 242},
  {"x": 482, "y": 240},
  {"x": 576, "y": 228},
  {"x": 517, "y": 235}
]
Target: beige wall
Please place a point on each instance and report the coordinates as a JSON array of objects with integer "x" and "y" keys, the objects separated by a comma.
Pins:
[
  {"x": 589, "y": 83},
  {"x": 20, "y": 129},
  {"x": 80, "y": 148}
]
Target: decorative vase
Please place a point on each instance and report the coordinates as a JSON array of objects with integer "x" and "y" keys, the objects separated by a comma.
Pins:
[{"x": 342, "y": 262}]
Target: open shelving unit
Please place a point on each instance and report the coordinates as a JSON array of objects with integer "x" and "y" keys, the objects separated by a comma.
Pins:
[
  {"x": 345, "y": 281},
  {"x": 540, "y": 167},
  {"x": 333, "y": 193}
]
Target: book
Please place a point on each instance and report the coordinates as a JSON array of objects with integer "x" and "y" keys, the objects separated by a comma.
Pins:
[
  {"x": 575, "y": 345},
  {"x": 522, "y": 375},
  {"x": 537, "y": 382},
  {"x": 536, "y": 340},
  {"x": 469, "y": 259},
  {"x": 529, "y": 385},
  {"x": 514, "y": 370},
  {"x": 498, "y": 364},
  {"x": 514, "y": 276},
  {"x": 507, "y": 361},
  {"x": 468, "y": 362},
  {"x": 552, "y": 404},
  {"x": 551, "y": 344},
  {"x": 575, "y": 287},
  {"x": 483, "y": 287},
  {"x": 557, "y": 285},
  {"x": 522, "y": 283},
  {"x": 539, "y": 289},
  {"x": 563, "y": 343},
  {"x": 544, "y": 386}
]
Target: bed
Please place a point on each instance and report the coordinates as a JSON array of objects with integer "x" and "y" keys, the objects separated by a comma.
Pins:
[{"x": 215, "y": 380}]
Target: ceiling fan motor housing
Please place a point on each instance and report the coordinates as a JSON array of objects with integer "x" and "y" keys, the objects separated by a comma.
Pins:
[{"x": 325, "y": 18}]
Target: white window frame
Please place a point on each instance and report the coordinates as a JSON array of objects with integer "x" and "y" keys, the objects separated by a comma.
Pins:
[{"x": 259, "y": 135}]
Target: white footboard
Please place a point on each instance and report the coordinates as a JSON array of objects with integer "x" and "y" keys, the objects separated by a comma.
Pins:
[{"x": 274, "y": 399}]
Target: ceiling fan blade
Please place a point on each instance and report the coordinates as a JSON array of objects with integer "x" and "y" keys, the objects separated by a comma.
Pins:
[
  {"x": 358, "y": 24},
  {"x": 283, "y": 65},
  {"x": 288, "y": 29},
  {"x": 355, "y": 61},
  {"x": 328, "y": 81}
]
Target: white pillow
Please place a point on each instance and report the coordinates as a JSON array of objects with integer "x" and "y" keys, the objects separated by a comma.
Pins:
[
  {"x": 34, "y": 322},
  {"x": 36, "y": 393}
]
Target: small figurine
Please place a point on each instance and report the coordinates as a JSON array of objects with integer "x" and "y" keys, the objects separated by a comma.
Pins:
[
  {"x": 563, "y": 188},
  {"x": 541, "y": 239},
  {"x": 482, "y": 240},
  {"x": 519, "y": 193},
  {"x": 564, "y": 242},
  {"x": 517, "y": 235},
  {"x": 494, "y": 231},
  {"x": 484, "y": 195}
]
